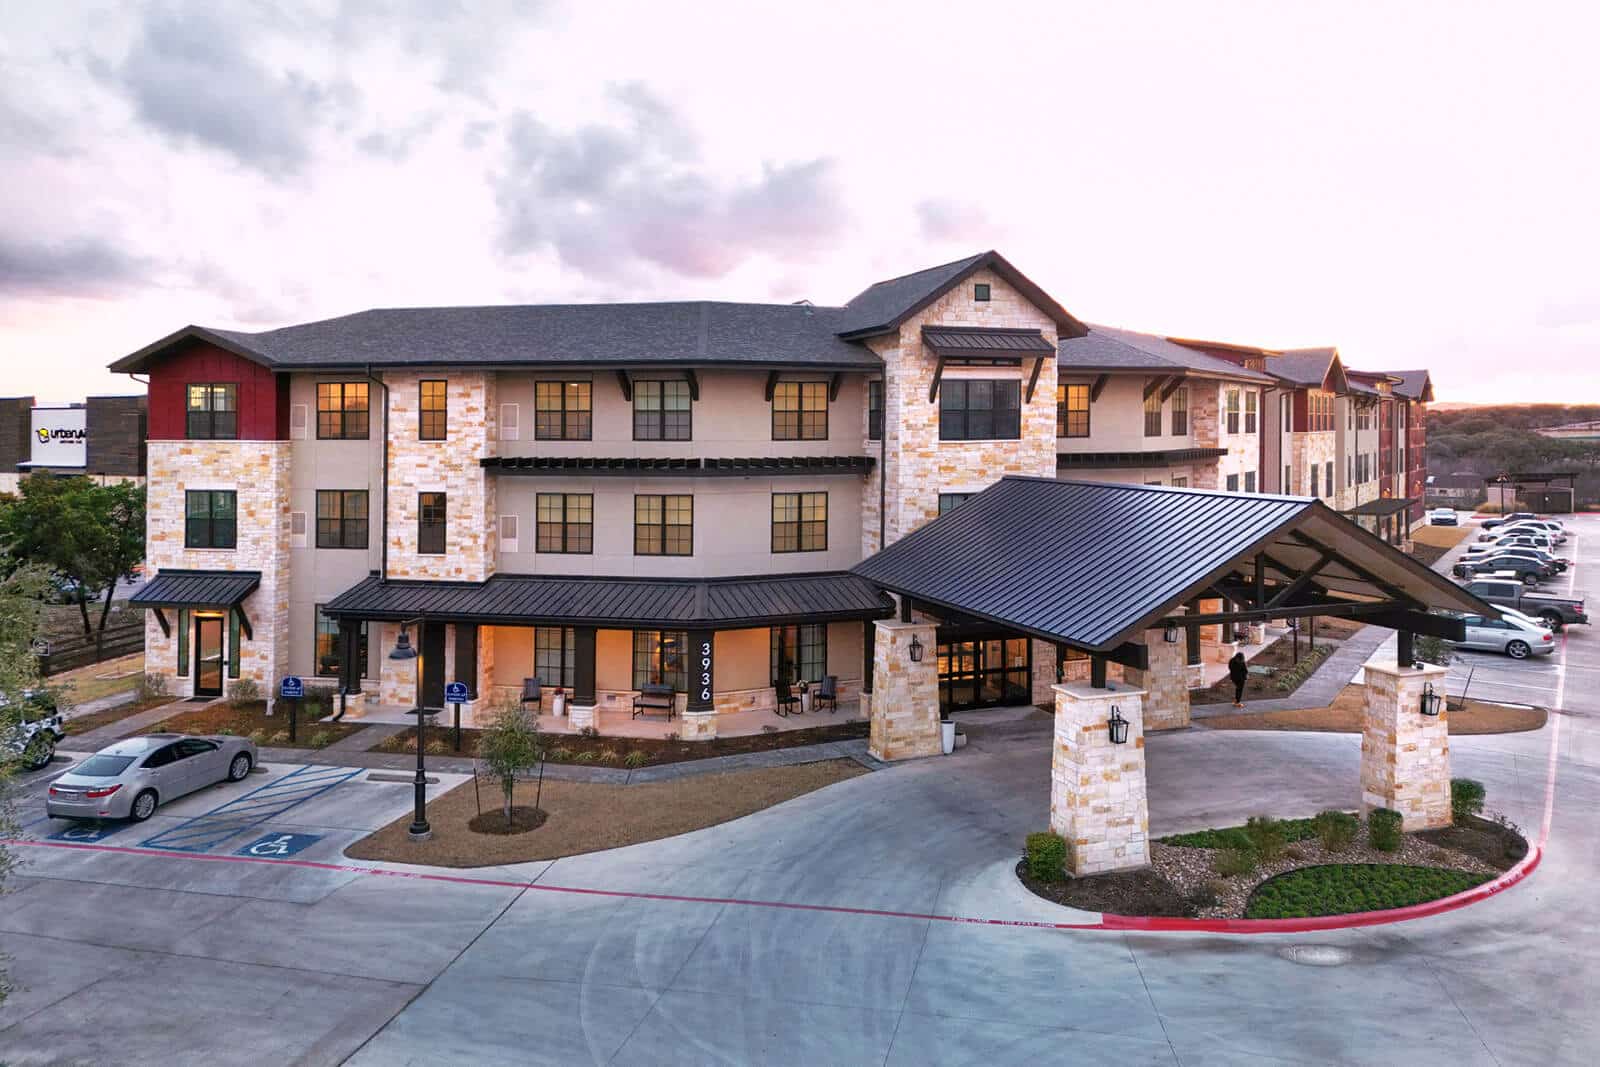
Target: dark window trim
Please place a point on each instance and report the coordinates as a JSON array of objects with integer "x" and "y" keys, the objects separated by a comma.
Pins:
[
  {"x": 660, "y": 413},
  {"x": 442, "y": 413},
  {"x": 948, "y": 502},
  {"x": 566, "y": 412},
  {"x": 341, "y": 413},
  {"x": 799, "y": 523},
  {"x": 317, "y": 632},
  {"x": 779, "y": 646},
  {"x": 663, "y": 526},
  {"x": 424, "y": 528},
  {"x": 210, "y": 521},
  {"x": 800, "y": 410},
  {"x": 569, "y": 656},
  {"x": 875, "y": 410},
  {"x": 210, "y": 412},
  {"x": 656, "y": 659},
  {"x": 1152, "y": 415},
  {"x": 566, "y": 525},
  {"x": 954, "y": 397},
  {"x": 1065, "y": 411},
  {"x": 347, "y": 527},
  {"x": 1180, "y": 411},
  {"x": 981, "y": 293}
]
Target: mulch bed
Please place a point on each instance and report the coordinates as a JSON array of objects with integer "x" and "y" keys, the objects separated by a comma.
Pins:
[
  {"x": 523, "y": 820},
  {"x": 1498, "y": 846},
  {"x": 586, "y": 817},
  {"x": 606, "y": 751},
  {"x": 1343, "y": 716},
  {"x": 1119, "y": 893},
  {"x": 82, "y": 724},
  {"x": 251, "y": 720},
  {"x": 1279, "y": 654}
]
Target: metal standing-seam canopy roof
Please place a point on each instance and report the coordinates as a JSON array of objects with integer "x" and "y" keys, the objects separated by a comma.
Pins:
[
  {"x": 195, "y": 589},
  {"x": 527, "y": 600},
  {"x": 1093, "y": 565}
]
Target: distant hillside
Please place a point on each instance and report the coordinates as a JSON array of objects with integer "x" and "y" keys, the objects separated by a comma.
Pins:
[
  {"x": 1459, "y": 417},
  {"x": 1488, "y": 439}
]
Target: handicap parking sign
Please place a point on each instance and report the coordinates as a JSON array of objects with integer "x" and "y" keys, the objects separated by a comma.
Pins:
[
  {"x": 291, "y": 688},
  {"x": 455, "y": 693},
  {"x": 277, "y": 846},
  {"x": 84, "y": 833}
]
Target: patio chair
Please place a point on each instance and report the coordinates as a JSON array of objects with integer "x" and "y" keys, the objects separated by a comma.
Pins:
[
  {"x": 827, "y": 693},
  {"x": 787, "y": 703},
  {"x": 532, "y": 693}
]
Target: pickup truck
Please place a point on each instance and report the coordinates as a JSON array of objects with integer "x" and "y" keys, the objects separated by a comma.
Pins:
[{"x": 1511, "y": 593}]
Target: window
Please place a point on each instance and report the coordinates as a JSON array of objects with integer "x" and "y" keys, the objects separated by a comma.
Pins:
[
  {"x": 565, "y": 522},
  {"x": 563, "y": 411},
  {"x": 211, "y": 518},
  {"x": 430, "y": 524},
  {"x": 1288, "y": 480},
  {"x": 341, "y": 518},
  {"x": 663, "y": 525},
  {"x": 431, "y": 412},
  {"x": 1180, "y": 483},
  {"x": 799, "y": 653},
  {"x": 1249, "y": 481},
  {"x": 1327, "y": 477},
  {"x": 980, "y": 409},
  {"x": 799, "y": 522},
  {"x": 800, "y": 411},
  {"x": 328, "y": 653},
  {"x": 1072, "y": 410},
  {"x": 554, "y": 656},
  {"x": 875, "y": 411},
  {"x": 658, "y": 658},
  {"x": 951, "y": 501},
  {"x": 212, "y": 412},
  {"x": 1233, "y": 410},
  {"x": 661, "y": 411},
  {"x": 1251, "y": 398},
  {"x": 342, "y": 411},
  {"x": 1180, "y": 412},
  {"x": 1314, "y": 480},
  {"x": 1233, "y": 483},
  {"x": 980, "y": 292},
  {"x": 1152, "y": 414}
]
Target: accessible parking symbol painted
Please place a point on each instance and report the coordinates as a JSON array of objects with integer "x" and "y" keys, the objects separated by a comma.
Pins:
[
  {"x": 277, "y": 846},
  {"x": 86, "y": 832}
]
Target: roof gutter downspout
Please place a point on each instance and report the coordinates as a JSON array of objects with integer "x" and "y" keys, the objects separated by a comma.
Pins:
[
  {"x": 383, "y": 524},
  {"x": 883, "y": 460}
]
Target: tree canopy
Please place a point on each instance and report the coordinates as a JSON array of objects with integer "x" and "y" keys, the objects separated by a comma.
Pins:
[{"x": 91, "y": 536}]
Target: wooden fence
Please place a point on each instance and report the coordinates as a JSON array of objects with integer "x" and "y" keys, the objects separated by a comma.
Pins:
[{"x": 70, "y": 653}]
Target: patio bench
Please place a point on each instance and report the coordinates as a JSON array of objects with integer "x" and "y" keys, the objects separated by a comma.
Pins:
[{"x": 654, "y": 698}]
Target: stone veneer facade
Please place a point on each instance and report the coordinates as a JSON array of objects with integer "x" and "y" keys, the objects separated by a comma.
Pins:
[
  {"x": 1166, "y": 683},
  {"x": 905, "y": 694},
  {"x": 1405, "y": 755},
  {"x": 258, "y": 473},
  {"x": 1097, "y": 789}
]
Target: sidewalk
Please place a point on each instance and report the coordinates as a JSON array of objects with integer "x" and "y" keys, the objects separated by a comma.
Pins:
[
  {"x": 1317, "y": 691},
  {"x": 95, "y": 740}
]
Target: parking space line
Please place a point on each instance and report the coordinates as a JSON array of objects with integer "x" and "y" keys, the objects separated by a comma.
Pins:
[{"x": 206, "y": 831}]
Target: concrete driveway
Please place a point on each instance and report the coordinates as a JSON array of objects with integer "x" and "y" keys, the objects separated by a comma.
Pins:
[{"x": 137, "y": 958}]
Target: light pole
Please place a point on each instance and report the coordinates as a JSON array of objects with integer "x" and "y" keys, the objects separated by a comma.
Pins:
[{"x": 419, "y": 829}]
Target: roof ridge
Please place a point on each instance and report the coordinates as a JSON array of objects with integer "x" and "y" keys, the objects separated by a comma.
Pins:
[{"x": 924, "y": 270}]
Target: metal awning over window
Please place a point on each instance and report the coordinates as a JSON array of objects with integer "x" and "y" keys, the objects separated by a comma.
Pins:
[
  {"x": 981, "y": 342},
  {"x": 196, "y": 589}
]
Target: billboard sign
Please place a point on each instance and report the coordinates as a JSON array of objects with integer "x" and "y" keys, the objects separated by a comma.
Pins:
[{"x": 60, "y": 437}]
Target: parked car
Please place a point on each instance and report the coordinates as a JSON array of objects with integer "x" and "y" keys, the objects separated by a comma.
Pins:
[
  {"x": 1443, "y": 517},
  {"x": 31, "y": 733},
  {"x": 1475, "y": 552},
  {"x": 1554, "y": 531},
  {"x": 1554, "y": 611},
  {"x": 1513, "y": 633},
  {"x": 1515, "y": 516},
  {"x": 1528, "y": 571},
  {"x": 133, "y": 777}
]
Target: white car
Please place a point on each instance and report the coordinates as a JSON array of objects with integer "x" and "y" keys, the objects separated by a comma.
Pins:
[
  {"x": 1443, "y": 517},
  {"x": 1517, "y": 635}
]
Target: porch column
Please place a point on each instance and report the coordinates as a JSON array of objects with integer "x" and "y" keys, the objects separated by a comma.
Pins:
[
  {"x": 1166, "y": 683},
  {"x": 349, "y": 649},
  {"x": 905, "y": 693},
  {"x": 1097, "y": 789},
  {"x": 581, "y": 712},
  {"x": 1191, "y": 642},
  {"x": 700, "y": 713},
  {"x": 869, "y": 638},
  {"x": 1405, "y": 755}
]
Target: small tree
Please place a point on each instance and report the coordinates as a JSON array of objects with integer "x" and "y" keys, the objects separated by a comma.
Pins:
[
  {"x": 509, "y": 747},
  {"x": 90, "y": 535},
  {"x": 1434, "y": 650}
]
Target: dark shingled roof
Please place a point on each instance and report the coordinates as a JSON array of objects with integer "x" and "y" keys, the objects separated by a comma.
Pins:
[
  {"x": 1414, "y": 384},
  {"x": 704, "y": 333},
  {"x": 883, "y": 306},
  {"x": 195, "y": 589},
  {"x": 1092, "y": 565},
  {"x": 1106, "y": 348},
  {"x": 667, "y": 603},
  {"x": 1302, "y": 366}
]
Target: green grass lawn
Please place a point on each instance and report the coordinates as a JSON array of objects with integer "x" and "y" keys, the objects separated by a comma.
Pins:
[{"x": 1343, "y": 888}]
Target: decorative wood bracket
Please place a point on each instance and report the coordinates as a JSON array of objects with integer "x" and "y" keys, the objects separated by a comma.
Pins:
[
  {"x": 627, "y": 385},
  {"x": 161, "y": 620}
]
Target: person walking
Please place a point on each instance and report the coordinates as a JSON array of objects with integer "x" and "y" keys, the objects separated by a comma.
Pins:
[{"x": 1239, "y": 673}]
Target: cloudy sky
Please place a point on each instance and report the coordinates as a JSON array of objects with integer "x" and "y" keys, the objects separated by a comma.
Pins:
[{"x": 1417, "y": 183}]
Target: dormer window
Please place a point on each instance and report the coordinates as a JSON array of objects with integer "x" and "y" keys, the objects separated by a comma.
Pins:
[{"x": 980, "y": 292}]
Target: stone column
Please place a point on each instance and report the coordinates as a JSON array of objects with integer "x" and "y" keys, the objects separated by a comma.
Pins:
[
  {"x": 1097, "y": 789},
  {"x": 700, "y": 711},
  {"x": 1166, "y": 683},
  {"x": 1405, "y": 755},
  {"x": 905, "y": 694}
]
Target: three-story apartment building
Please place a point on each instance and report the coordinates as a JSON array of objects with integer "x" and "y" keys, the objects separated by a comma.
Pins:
[{"x": 608, "y": 497}]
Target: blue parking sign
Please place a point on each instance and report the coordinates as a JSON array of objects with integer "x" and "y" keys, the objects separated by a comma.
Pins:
[
  {"x": 85, "y": 833},
  {"x": 291, "y": 688},
  {"x": 277, "y": 846},
  {"x": 456, "y": 693}
]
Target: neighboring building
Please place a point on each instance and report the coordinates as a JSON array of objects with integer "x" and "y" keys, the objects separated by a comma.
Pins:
[
  {"x": 102, "y": 437},
  {"x": 608, "y": 497},
  {"x": 1572, "y": 431},
  {"x": 1455, "y": 490}
]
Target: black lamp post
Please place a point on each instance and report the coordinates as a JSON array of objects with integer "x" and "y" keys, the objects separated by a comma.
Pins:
[
  {"x": 1430, "y": 700},
  {"x": 419, "y": 830},
  {"x": 1117, "y": 727},
  {"x": 916, "y": 649}
]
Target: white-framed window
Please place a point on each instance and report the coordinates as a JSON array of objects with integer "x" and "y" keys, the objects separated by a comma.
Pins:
[
  {"x": 508, "y": 533},
  {"x": 297, "y": 525},
  {"x": 510, "y": 422},
  {"x": 299, "y": 421}
]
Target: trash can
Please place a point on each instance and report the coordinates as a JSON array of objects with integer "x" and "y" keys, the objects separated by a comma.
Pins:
[
  {"x": 947, "y": 734},
  {"x": 558, "y": 703}
]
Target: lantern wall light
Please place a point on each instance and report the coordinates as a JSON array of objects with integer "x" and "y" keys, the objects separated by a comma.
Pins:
[
  {"x": 1117, "y": 727},
  {"x": 916, "y": 649},
  {"x": 1171, "y": 633},
  {"x": 1430, "y": 700}
]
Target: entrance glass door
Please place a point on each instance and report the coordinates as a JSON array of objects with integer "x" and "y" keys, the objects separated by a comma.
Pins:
[
  {"x": 208, "y": 656},
  {"x": 985, "y": 673}
]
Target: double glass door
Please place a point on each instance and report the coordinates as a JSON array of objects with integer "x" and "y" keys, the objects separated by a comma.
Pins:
[{"x": 984, "y": 673}]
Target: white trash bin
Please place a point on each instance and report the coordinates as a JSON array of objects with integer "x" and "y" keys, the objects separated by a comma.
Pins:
[
  {"x": 947, "y": 734},
  {"x": 558, "y": 703}
]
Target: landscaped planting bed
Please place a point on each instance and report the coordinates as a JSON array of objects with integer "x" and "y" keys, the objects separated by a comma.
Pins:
[
  {"x": 1346, "y": 888},
  {"x": 629, "y": 752},
  {"x": 1289, "y": 672},
  {"x": 251, "y": 720}
]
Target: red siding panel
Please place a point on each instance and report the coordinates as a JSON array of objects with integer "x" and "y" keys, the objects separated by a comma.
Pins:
[
  {"x": 263, "y": 395},
  {"x": 1301, "y": 415}
]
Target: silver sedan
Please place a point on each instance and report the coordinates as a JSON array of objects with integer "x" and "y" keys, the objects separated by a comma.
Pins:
[{"x": 131, "y": 778}]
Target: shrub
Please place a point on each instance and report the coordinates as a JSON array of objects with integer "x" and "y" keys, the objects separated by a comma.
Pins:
[
  {"x": 152, "y": 688},
  {"x": 243, "y": 691},
  {"x": 1217, "y": 887},
  {"x": 320, "y": 738},
  {"x": 608, "y": 755},
  {"x": 258, "y": 736},
  {"x": 1383, "y": 829},
  {"x": 510, "y": 746},
  {"x": 280, "y": 737},
  {"x": 589, "y": 731},
  {"x": 225, "y": 731},
  {"x": 1335, "y": 829},
  {"x": 1046, "y": 856},
  {"x": 1342, "y": 888},
  {"x": 1230, "y": 862},
  {"x": 561, "y": 755},
  {"x": 586, "y": 756},
  {"x": 1435, "y": 650},
  {"x": 636, "y": 758},
  {"x": 1294, "y": 852},
  {"x": 1466, "y": 798},
  {"x": 1266, "y": 839},
  {"x": 437, "y": 748},
  {"x": 1202, "y": 897}
]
